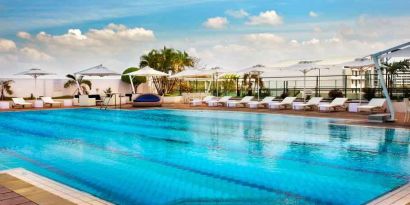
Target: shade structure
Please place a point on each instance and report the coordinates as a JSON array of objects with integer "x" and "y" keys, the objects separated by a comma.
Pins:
[
  {"x": 192, "y": 73},
  {"x": 35, "y": 73},
  {"x": 305, "y": 67},
  {"x": 216, "y": 73},
  {"x": 359, "y": 64},
  {"x": 404, "y": 53},
  {"x": 98, "y": 70},
  {"x": 145, "y": 72},
  {"x": 256, "y": 70},
  {"x": 384, "y": 54}
]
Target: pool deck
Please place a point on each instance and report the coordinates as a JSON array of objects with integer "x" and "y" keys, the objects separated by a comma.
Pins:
[
  {"x": 400, "y": 196},
  {"x": 22, "y": 187}
]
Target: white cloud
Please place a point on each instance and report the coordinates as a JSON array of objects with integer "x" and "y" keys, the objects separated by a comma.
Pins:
[
  {"x": 266, "y": 18},
  {"x": 32, "y": 54},
  {"x": 241, "y": 13},
  {"x": 216, "y": 23},
  {"x": 313, "y": 14},
  {"x": 264, "y": 39},
  {"x": 7, "y": 45},
  {"x": 110, "y": 35},
  {"x": 312, "y": 41},
  {"x": 24, "y": 35}
]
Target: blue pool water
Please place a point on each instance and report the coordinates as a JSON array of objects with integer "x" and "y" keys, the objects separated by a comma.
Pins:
[{"x": 193, "y": 157}]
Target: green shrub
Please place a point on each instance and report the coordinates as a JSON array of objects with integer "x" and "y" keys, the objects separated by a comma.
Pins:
[
  {"x": 369, "y": 93},
  {"x": 335, "y": 93}
]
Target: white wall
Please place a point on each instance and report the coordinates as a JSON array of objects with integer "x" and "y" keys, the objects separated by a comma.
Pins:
[{"x": 23, "y": 87}]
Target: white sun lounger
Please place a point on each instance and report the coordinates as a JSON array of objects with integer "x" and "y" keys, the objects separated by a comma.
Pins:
[
  {"x": 197, "y": 101},
  {"x": 264, "y": 103},
  {"x": 20, "y": 102},
  {"x": 242, "y": 102},
  {"x": 375, "y": 104},
  {"x": 50, "y": 101},
  {"x": 286, "y": 103},
  {"x": 311, "y": 104},
  {"x": 337, "y": 103},
  {"x": 222, "y": 101}
]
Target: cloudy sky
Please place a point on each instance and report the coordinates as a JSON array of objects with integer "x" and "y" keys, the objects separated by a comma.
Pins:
[{"x": 67, "y": 36}]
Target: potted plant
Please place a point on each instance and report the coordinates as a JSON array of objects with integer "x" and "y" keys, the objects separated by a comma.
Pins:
[
  {"x": 335, "y": 93},
  {"x": 5, "y": 89}
]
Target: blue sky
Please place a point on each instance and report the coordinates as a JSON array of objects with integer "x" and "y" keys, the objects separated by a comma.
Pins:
[{"x": 183, "y": 24}]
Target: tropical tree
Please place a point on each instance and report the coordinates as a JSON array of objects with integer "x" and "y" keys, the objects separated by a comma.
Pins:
[
  {"x": 229, "y": 82},
  {"x": 166, "y": 60},
  {"x": 136, "y": 80},
  {"x": 392, "y": 70},
  {"x": 79, "y": 82},
  {"x": 247, "y": 82},
  {"x": 5, "y": 88}
]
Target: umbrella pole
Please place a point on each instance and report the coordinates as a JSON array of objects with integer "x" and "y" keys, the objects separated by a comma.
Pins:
[
  {"x": 35, "y": 87},
  {"x": 217, "y": 89},
  {"x": 360, "y": 88},
  {"x": 304, "y": 87},
  {"x": 258, "y": 87},
  {"x": 132, "y": 85}
]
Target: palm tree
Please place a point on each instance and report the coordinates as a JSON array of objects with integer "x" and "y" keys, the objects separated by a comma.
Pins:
[
  {"x": 392, "y": 70},
  {"x": 247, "y": 82},
  {"x": 79, "y": 82},
  {"x": 166, "y": 60},
  {"x": 5, "y": 88}
]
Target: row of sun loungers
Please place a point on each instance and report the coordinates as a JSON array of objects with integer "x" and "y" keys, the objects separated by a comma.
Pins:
[
  {"x": 21, "y": 103},
  {"x": 338, "y": 104}
]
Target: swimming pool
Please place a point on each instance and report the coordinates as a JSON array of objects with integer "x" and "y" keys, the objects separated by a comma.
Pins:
[{"x": 192, "y": 157}]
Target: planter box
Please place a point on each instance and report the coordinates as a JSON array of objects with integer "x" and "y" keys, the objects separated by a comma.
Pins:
[
  {"x": 4, "y": 105},
  {"x": 173, "y": 99},
  {"x": 399, "y": 107}
]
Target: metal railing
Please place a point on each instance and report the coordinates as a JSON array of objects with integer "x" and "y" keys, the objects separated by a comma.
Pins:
[{"x": 349, "y": 85}]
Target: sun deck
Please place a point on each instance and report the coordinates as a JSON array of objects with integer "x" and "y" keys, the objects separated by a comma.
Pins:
[{"x": 20, "y": 186}]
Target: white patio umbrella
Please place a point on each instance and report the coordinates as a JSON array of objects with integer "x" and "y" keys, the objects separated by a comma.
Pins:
[
  {"x": 192, "y": 73},
  {"x": 218, "y": 72},
  {"x": 35, "y": 73},
  {"x": 257, "y": 70},
  {"x": 359, "y": 64},
  {"x": 305, "y": 67},
  {"x": 146, "y": 72},
  {"x": 98, "y": 70}
]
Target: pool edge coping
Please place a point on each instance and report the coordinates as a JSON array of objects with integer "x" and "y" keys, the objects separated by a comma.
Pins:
[
  {"x": 397, "y": 196},
  {"x": 64, "y": 191}
]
